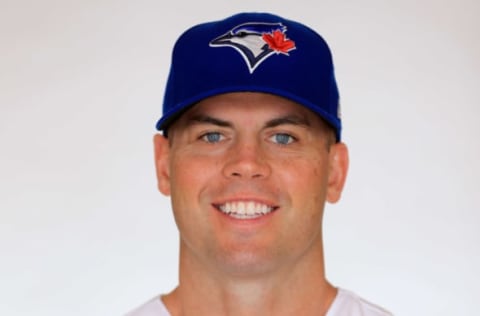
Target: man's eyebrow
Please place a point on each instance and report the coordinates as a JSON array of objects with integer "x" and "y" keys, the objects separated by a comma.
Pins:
[
  {"x": 283, "y": 120},
  {"x": 288, "y": 120},
  {"x": 205, "y": 119}
]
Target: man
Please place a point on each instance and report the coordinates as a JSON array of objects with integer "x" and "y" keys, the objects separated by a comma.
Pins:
[{"x": 251, "y": 150}]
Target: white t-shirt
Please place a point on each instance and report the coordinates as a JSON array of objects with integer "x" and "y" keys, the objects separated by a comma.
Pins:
[{"x": 346, "y": 303}]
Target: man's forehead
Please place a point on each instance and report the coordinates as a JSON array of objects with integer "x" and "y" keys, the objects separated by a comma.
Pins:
[
  {"x": 254, "y": 103},
  {"x": 255, "y": 110}
]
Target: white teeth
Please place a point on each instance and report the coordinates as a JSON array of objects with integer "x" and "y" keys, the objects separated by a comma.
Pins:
[
  {"x": 245, "y": 209},
  {"x": 250, "y": 208},
  {"x": 265, "y": 209}
]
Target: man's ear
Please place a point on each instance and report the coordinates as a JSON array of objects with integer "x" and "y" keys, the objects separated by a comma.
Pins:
[
  {"x": 162, "y": 150},
  {"x": 338, "y": 168}
]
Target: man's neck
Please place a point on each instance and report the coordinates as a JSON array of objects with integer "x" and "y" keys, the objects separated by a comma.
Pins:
[{"x": 299, "y": 288}]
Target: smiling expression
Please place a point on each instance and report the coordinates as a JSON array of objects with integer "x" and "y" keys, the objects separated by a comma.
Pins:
[{"x": 248, "y": 175}]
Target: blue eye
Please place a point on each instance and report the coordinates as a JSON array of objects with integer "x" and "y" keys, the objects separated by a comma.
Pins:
[
  {"x": 282, "y": 139},
  {"x": 212, "y": 137}
]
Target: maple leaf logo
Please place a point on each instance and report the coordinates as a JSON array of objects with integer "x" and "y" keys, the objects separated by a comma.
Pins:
[
  {"x": 256, "y": 41},
  {"x": 278, "y": 42}
]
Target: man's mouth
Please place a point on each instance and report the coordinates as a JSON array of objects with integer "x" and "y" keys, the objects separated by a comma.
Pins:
[{"x": 245, "y": 209}]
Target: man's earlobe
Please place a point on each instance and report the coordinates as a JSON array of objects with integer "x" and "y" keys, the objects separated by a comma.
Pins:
[
  {"x": 338, "y": 168},
  {"x": 162, "y": 149}
]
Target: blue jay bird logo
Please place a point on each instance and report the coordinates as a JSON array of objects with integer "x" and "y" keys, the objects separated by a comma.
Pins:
[{"x": 256, "y": 41}]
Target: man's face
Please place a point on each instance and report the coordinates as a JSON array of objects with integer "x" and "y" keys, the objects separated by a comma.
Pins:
[{"x": 248, "y": 175}]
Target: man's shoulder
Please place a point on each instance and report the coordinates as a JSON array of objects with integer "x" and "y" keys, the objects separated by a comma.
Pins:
[
  {"x": 153, "y": 307},
  {"x": 347, "y": 303}
]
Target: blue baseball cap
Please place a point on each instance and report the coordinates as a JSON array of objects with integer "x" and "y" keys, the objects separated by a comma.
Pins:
[{"x": 252, "y": 52}]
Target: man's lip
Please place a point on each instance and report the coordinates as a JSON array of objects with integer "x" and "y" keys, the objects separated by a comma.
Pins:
[{"x": 244, "y": 198}]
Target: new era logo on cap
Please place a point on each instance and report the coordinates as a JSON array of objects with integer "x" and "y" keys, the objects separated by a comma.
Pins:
[{"x": 256, "y": 41}]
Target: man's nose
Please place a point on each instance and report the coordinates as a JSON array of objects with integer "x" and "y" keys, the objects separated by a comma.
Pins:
[{"x": 247, "y": 160}]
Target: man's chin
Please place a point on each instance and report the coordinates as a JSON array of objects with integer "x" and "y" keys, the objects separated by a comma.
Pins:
[{"x": 248, "y": 262}]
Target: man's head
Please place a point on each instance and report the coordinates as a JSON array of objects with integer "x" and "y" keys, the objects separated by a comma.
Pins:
[
  {"x": 254, "y": 150},
  {"x": 252, "y": 52}
]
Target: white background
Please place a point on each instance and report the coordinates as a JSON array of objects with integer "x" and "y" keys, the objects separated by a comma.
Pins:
[{"x": 83, "y": 230}]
